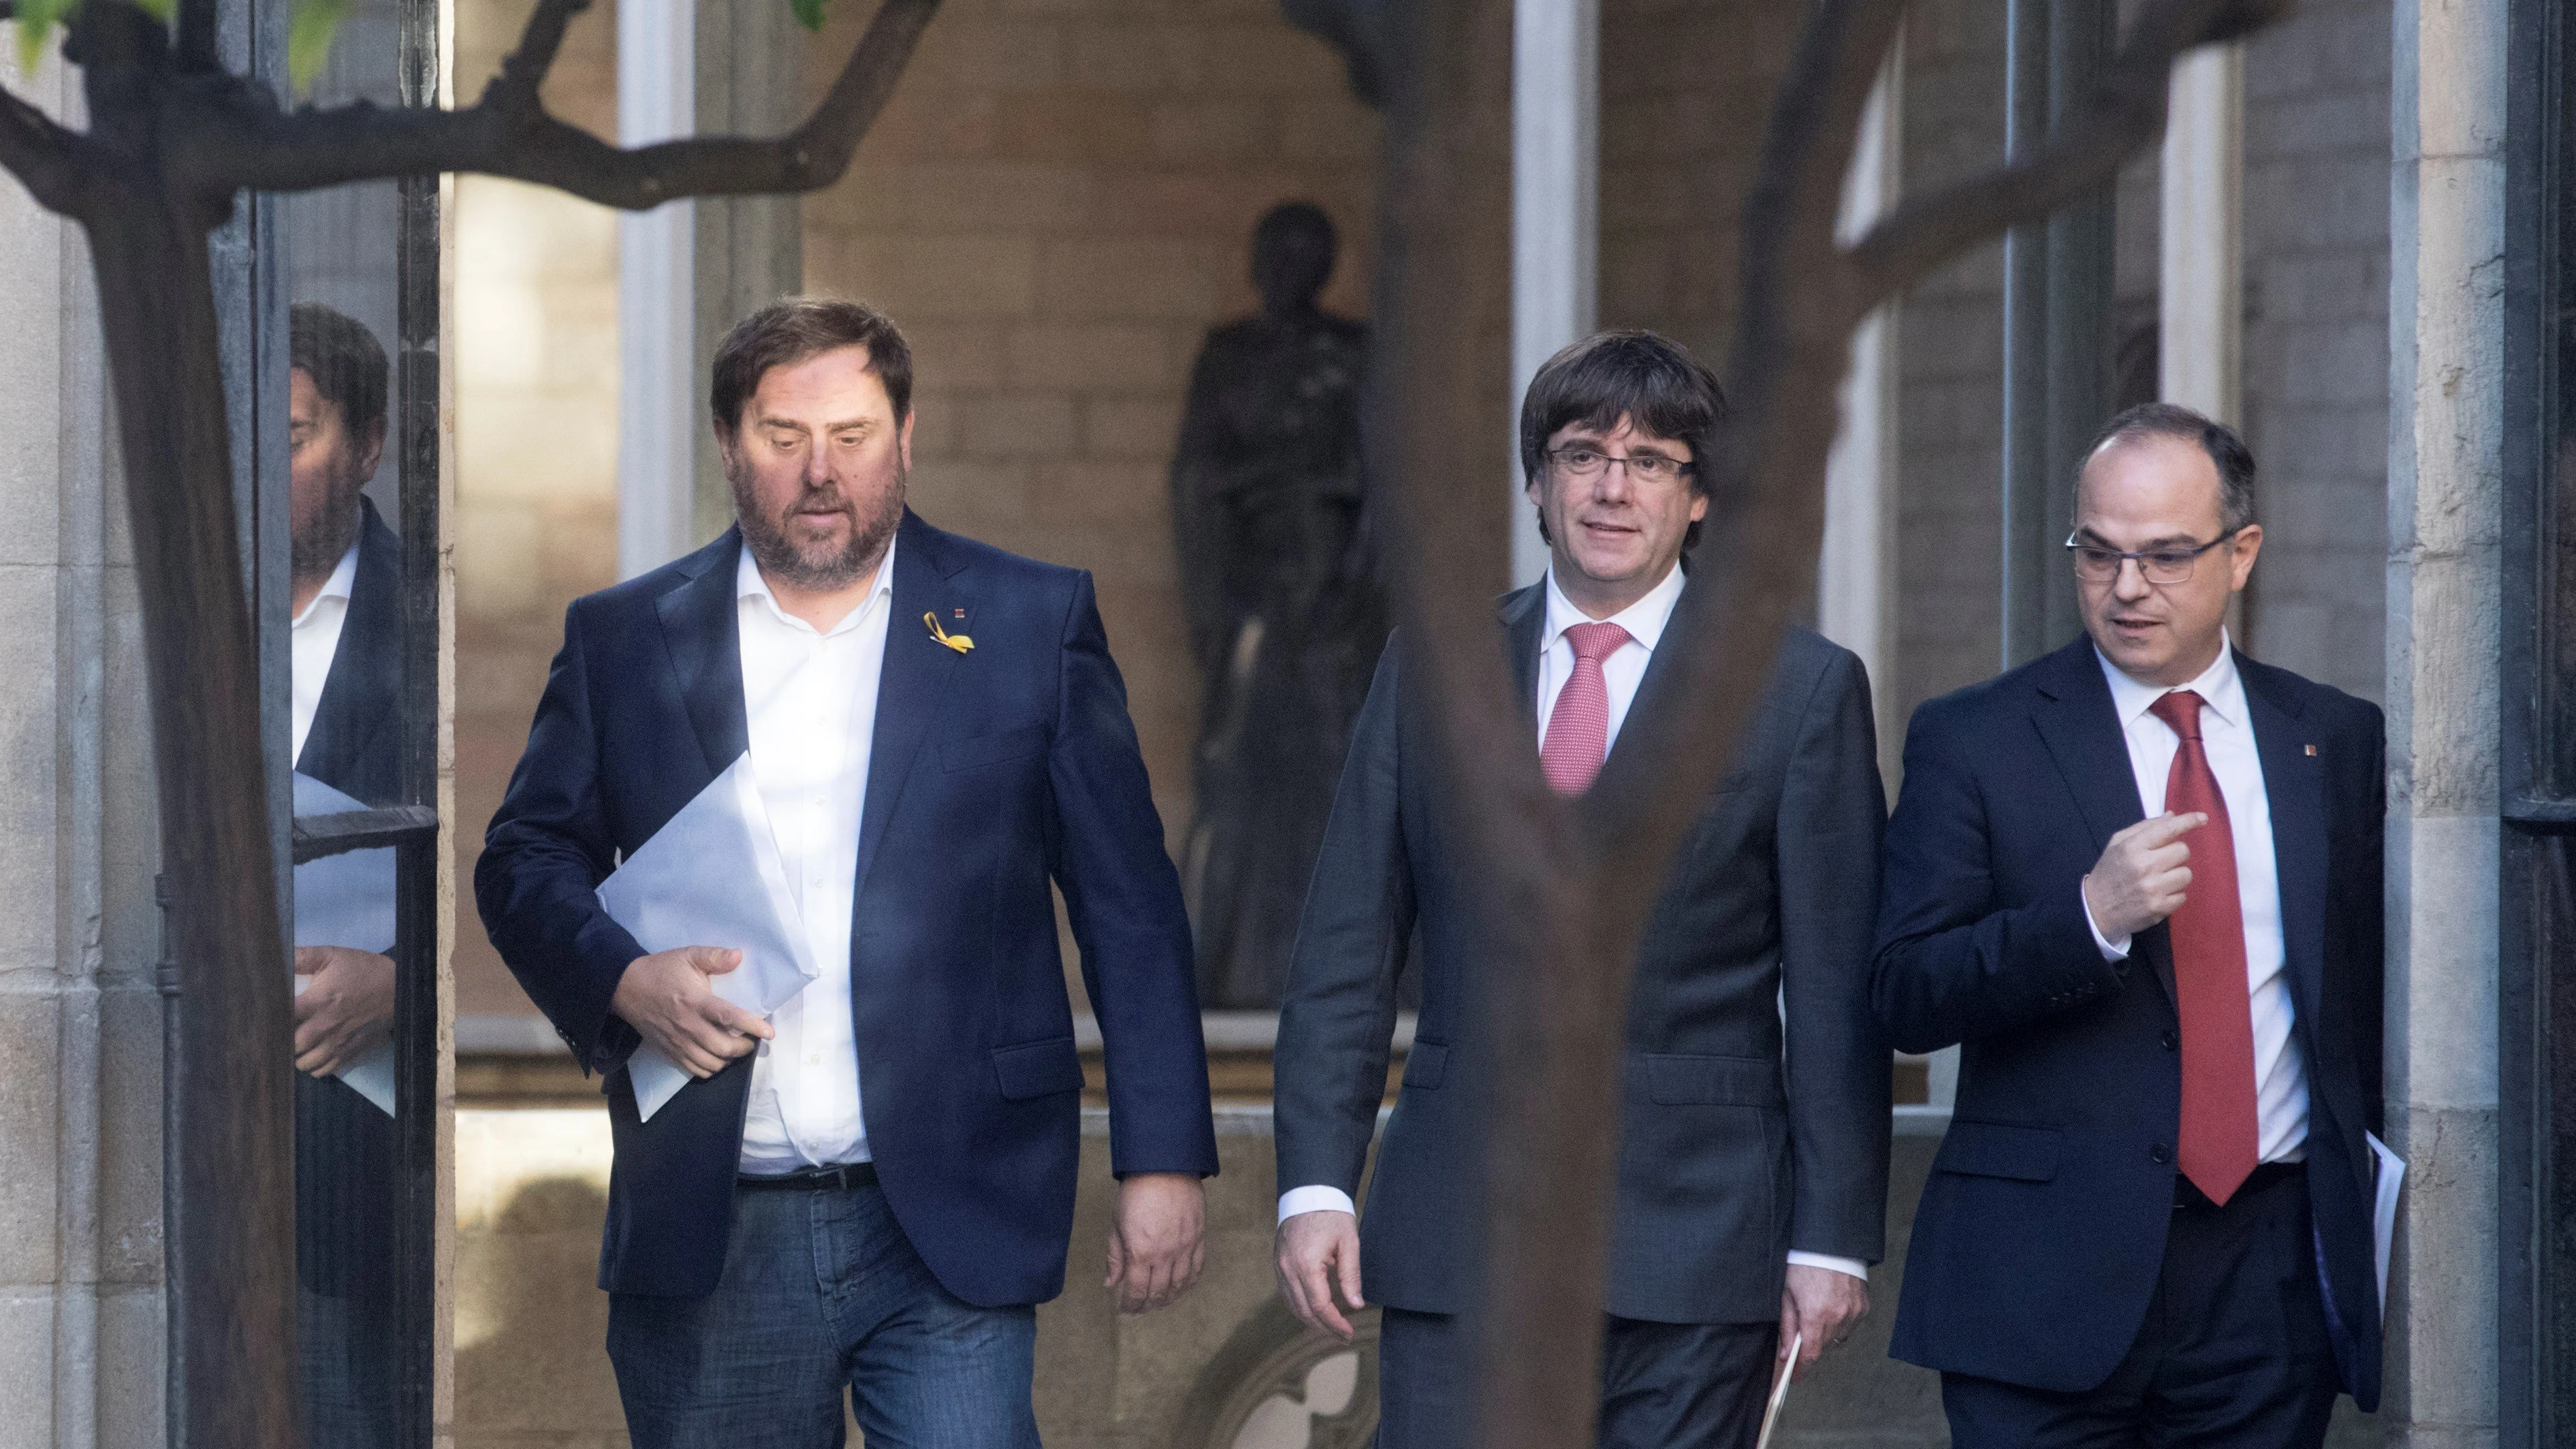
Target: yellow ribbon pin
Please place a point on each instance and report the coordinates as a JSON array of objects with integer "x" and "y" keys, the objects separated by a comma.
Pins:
[{"x": 958, "y": 642}]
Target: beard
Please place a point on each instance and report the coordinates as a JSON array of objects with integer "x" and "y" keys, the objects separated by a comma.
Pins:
[
  {"x": 317, "y": 548},
  {"x": 816, "y": 567}
]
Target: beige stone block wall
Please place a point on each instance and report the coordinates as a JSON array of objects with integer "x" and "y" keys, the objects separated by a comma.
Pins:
[
  {"x": 1055, "y": 207},
  {"x": 80, "y": 1017},
  {"x": 535, "y": 522}
]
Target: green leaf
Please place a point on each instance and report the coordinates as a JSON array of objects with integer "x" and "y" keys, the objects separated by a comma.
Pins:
[
  {"x": 809, "y": 13},
  {"x": 308, "y": 39},
  {"x": 35, "y": 22},
  {"x": 164, "y": 11}
]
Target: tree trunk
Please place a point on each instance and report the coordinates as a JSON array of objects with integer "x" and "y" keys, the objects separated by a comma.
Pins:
[{"x": 235, "y": 1150}]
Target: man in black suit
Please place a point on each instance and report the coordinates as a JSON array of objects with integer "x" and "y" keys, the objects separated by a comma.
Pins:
[
  {"x": 2138, "y": 880},
  {"x": 346, "y": 692},
  {"x": 1752, "y": 1180}
]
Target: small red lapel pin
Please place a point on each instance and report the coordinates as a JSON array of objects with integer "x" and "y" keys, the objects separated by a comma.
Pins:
[{"x": 2312, "y": 749}]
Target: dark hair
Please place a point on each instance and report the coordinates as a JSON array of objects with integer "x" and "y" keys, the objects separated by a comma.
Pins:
[
  {"x": 2227, "y": 452},
  {"x": 342, "y": 357},
  {"x": 792, "y": 329},
  {"x": 1631, "y": 373}
]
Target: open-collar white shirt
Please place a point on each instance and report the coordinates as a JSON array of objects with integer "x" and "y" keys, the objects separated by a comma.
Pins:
[
  {"x": 2227, "y": 736},
  {"x": 810, "y": 699},
  {"x": 314, "y": 641},
  {"x": 1622, "y": 670}
]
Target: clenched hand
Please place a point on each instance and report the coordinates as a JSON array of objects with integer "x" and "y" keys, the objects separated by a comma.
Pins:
[
  {"x": 666, "y": 998},
  {"x": 1823, "y": 1304},
  {"x": 1156, "y": 1245},
  {"x": 2142, "y": 874},
  {"x": 349, "y": 1005}
]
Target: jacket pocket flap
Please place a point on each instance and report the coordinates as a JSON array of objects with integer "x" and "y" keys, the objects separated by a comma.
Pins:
[
  {"x": 1427, "y": 1064},
  {"x": 1999, "y": 1149},
  {"x": 1038, "y": 1068},
  {"x": 1676, "y": 1079},
  {"x": 994, "y": 748}
]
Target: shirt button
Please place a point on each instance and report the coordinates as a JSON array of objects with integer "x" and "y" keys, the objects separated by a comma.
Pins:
[
  {"x": 815, "y": 1060},
  {"x": 2172, "y": 1041},
  {"x": 2160, "y": 1154}
]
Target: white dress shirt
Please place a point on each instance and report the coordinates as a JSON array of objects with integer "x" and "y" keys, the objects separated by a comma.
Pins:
[
  {"x": 1622, "y": 670},
  {"x": 810, "y": 698},
  {"x": 314, "y": 641},
  {"x": 2227, "y": 736}
]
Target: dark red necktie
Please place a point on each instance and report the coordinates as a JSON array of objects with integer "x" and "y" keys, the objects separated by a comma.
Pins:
[
  {"x": 2220, "y": 1137},
  {"x": 1578, "y": 726}
]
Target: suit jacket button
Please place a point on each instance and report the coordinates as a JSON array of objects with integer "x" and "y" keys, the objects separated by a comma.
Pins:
[
  {"x": 2159, "y": 1154},
  {"x": 2172, "y": 1041}
]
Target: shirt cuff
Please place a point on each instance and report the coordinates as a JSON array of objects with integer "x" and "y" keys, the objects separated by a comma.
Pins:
[
  {"x": 1299, "y": 1200},
  {"x": 2110, "y": 951},
  {"x": 1853, "y": 1266}
]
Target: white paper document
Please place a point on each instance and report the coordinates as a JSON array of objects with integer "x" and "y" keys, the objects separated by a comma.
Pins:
[
  {"x": 712, "y": 877},
  {"x": 2383, "y": 1214},
  {"x": 1780, "y": 1390},
  {"x": 348, "y": 900}
]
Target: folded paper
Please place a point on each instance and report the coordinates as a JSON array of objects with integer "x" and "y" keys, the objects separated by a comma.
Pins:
[
  {"x": 348, "y": 900},
  {"x": 712, "y": 876}
]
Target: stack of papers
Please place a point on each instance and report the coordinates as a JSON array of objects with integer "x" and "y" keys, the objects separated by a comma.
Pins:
[{"x": 712, "y": 877}]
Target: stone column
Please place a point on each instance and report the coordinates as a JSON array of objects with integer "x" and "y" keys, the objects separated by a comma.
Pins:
[
  {"x": 80, "y": 1018},
  {"x": 1556, "y": 212},
  {"x": 2445, "y": 317}
]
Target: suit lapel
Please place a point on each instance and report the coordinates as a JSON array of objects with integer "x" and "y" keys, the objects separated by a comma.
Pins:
[
  {"x": 361, "y": 695},
  {"x": 917, "y": 673},
  {"x": 699, "y": 629},
  {"x": 1657, "y": 680},
  {"x": 1524, "y": 614},
  {"x": 2080, "y": 727},
  {"x": 2294, "y": 791}
]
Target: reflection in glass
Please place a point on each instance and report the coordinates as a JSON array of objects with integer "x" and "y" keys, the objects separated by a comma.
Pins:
[{"x": 346, "y": 688}]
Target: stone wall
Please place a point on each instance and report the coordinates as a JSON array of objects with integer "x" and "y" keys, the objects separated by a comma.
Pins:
[
  {"x": 1950, "y": 403},
  {"x": 80, "y": 1018},
  {"x": 535, "y": 523},
  {"x": 1056, "y": 206},
  {"x": 2316, "y": 336}
]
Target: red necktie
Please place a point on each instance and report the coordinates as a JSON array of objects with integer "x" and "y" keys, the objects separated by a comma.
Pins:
[
  {"x": 2220, "y": 1141},
  {"x": 1578, "y": 728}
]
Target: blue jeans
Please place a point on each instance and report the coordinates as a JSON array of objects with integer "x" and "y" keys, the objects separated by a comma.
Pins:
[{"x": 821, "y": 1289}]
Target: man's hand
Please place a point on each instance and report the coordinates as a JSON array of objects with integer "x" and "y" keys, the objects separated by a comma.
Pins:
[
  {"x": 1318, "y": 1252},
  {"x": 347, "y": 1008},
  {"x": 2140, "y": 878},
  {"x": 1822, "y": 1304},
  {"x": 1156, "y": 1245},
  {"x": 665, "y": 997}
]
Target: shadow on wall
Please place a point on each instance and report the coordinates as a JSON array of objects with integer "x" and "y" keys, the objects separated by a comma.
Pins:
[{"x": 531, "y": 1324}]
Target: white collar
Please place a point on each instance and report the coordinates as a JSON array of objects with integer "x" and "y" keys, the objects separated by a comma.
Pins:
[
  {"x": 749, "y": 584},
  {"x": 2219, "y": 686},
  {"x": 1644, "y": 620},
  {"x": 344, "y": 578}
]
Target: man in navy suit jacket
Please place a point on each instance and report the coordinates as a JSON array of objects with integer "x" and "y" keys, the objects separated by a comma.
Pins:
[
  {"x": 877, "y": 1196},
  {"x": 2138, "y": 880}
]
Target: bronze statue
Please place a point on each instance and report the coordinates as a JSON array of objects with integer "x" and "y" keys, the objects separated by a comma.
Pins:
[{"x": 1286, "y": 619}]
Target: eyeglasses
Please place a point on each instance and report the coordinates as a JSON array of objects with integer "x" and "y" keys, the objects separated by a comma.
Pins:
[
  {"x": 1584, "y": 464},
  {"x": 2170, "y": 565}
]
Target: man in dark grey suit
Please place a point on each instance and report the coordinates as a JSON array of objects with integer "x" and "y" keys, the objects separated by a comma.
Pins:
[{"x": 1753, "y": 1170}]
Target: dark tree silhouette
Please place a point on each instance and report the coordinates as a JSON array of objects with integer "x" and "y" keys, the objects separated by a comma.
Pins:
[{"x": 173, "y": 140}]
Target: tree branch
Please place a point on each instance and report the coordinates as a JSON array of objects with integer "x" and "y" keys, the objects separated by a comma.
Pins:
[
  {"x": 53, "y": 163},
  {"x": 514, "y": 90},
  {"x": 244, "y": 140},
  {"x": 2128, "y": 112}
]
